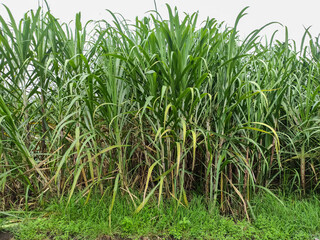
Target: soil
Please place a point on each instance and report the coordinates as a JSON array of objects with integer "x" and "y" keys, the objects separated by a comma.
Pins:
[
  {"x": 118, "y": 237},
  {"x": 6, "y": 236},
  {"x": 9, "y": 236}
]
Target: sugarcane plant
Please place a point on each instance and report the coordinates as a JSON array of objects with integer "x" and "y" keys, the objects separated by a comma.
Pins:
[{"x": 158, "y": 108}]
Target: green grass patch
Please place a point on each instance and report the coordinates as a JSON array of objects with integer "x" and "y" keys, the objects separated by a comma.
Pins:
[{"x": 294, "y": 219}]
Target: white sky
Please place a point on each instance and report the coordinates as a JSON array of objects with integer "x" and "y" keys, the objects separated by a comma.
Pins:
[{"x": 296, "y": 14}]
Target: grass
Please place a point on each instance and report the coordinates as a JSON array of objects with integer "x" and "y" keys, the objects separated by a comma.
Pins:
[{"x": 292, "y": 219}]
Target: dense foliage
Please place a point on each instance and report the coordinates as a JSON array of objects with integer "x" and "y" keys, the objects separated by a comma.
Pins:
[{"x": 164, "y": 107}]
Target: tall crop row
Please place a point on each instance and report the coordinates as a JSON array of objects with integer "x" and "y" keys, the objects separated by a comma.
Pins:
[{"x": 159, "y": 107}]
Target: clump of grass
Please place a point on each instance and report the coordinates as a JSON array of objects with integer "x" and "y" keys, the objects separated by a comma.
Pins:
[{"x": 294, "y": 219}]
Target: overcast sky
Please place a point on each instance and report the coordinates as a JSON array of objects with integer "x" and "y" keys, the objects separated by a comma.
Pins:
[{"x": 296, "y": 14}]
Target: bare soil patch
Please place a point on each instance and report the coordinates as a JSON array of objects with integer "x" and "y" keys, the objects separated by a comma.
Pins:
[{"x": 6, "y": 236}]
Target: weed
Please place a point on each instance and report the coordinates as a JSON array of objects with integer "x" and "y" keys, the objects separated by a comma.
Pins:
[{"x": 292, "y": 219}]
